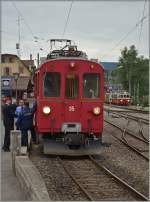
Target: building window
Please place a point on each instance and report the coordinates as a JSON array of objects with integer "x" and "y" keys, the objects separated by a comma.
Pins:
[
  {"x": 20, "y": 69},
  {"x": 10, "y": 60},
  {"x": 7, "y": 71},
  {"x": 3, "y": 60}
]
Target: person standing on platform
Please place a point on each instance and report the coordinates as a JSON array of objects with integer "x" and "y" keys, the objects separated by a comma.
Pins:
[
  {"x": 8, "y": 111},
  {"x": 25, "y": 122},
  {"x": 19, "y": 109}
]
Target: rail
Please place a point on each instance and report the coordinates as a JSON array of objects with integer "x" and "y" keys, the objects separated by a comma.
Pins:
[
  {"x": 121, "y": 184},
  {"x": 140, "y": 195},
  {"x": 125, "y": 142}
]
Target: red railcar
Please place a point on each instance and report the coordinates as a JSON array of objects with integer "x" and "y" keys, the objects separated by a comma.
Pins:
[
  {"x": 69, "y": 90},
  {"x": 118, "y": 98}
]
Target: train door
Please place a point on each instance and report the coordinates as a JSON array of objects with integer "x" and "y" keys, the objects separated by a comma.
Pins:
[{"x": 71, "y": 102}]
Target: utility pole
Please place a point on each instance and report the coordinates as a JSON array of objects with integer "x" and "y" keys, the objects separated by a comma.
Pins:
[{"x": 18, "y": 44}]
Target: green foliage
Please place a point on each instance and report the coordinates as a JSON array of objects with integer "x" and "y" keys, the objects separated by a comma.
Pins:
[{"x": 133, "y": 73}]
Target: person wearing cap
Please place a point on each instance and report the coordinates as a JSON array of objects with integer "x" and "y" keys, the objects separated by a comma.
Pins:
[{"x": 8, "y": 111}]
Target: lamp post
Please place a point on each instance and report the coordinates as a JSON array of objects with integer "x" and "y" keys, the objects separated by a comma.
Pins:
[{"x": 16, "y": 77}]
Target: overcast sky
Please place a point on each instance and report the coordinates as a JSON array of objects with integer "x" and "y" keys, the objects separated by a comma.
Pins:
[{"x": 95, "y": 26}]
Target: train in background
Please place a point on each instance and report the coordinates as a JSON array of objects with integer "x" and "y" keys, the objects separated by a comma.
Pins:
[
  {"x": 69, "y": 90},
  {"x": 118, "y": 98}
]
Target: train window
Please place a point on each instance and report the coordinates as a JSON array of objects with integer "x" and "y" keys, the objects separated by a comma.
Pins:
[
  {"x": 51, "y": 87},
  {"x": 91, "y": 85},
  {"x": 71, "y": 88},
  {"x": 115, "y": 96}
]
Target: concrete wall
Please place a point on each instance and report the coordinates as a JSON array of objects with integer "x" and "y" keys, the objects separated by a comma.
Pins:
[{"x": 30, "y": 179}]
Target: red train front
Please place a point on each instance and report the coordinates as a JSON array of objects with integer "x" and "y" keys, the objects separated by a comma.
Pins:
[{"x": 69, "y": 90}]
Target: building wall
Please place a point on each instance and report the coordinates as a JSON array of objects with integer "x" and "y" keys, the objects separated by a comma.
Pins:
[{"x": 11, "y": 64}]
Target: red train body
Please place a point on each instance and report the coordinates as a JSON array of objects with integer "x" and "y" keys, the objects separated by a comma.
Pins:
[
  {"x": 118, "y": 98},
  {"x": 70, "y": 95}
]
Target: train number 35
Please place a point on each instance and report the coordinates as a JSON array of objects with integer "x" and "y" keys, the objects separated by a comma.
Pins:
[{"x": 71, "y": 108}]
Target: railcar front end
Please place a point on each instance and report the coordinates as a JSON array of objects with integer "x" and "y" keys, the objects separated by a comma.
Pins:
[{"x": 70, "y": 97}]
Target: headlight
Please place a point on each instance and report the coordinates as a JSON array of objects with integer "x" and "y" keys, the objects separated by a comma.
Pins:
[
  {"x": 46, "y": 110},
  {"x": 128, "y": 100},
  {"x": 121, "y": 100},
  {"x": 96, "y": 110}
]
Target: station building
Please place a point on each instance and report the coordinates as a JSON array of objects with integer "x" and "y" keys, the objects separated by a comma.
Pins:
[{"x": 11, "y": 65}]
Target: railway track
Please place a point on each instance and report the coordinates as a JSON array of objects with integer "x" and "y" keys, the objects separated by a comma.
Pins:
[
  {"x": 123, "y": 139},
  {"x": 139, "y": 120},
  {"x": 128, "y": 108},
  {"x": 97, "y": 182},
  {"x": 129, "y": 116}
]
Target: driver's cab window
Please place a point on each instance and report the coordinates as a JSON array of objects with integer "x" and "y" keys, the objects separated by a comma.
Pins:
[
  {"x": 51, "y": 84},
  {"x": 91, "y": 85}
]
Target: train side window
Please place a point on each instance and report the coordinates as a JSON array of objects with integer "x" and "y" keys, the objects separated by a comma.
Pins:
[
  {"x": 51, "y": 84},
  {"x": 91, "y": 85},
  {"x": 71, "y": 88},
  {"x": 115, "y": 96}
]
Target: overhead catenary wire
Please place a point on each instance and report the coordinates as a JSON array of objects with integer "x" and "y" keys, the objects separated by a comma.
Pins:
[
  {"x": 19, "y": 12},
  {"x": 139, "y": 39},
  {"x": 35, "y": 38},
  {"x": 128, "y": 33},
  {"x": 67, "y": 19},
  {"x": 14, "y": 35}
]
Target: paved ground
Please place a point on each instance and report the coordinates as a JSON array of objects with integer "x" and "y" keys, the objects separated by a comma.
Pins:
[{"x": 10, "y": 187}]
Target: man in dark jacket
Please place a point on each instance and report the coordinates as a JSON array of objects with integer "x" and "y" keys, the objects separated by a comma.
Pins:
[
  {"x": 25, "y": 122},
  {"x": 8, "y": 111}
]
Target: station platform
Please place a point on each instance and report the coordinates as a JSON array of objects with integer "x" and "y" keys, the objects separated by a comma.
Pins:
[{"x": 10, "y": 187}]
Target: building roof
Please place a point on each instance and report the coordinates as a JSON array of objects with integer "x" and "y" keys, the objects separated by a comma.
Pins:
[
  {"x": 22, "y": 83},
  {"x": 28, "y": 62},
  {"x": 12, "y": 55},
  {"x": 109, "y": 65}
]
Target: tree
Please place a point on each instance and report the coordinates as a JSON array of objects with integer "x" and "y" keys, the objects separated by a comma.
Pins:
[{"x": 133, "y": 73}]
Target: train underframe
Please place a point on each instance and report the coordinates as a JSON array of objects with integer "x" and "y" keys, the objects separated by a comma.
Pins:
[{"x": 72, "y": 144}]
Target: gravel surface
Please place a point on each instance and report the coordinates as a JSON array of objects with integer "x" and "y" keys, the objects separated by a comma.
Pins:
[
  {"x": 118, "y": 158},
  {"x": 124, "y": 162},
  {"x": 60, "y": 186},
  {"x": 100, "y": 185},
  {"x": 131, "y": 125}
]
